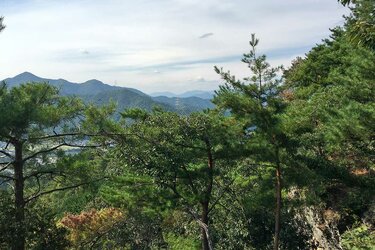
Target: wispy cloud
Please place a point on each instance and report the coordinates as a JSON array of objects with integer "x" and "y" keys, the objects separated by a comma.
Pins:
[
  {"x": 206, "y": 35},
  {"x": 155, "y": 45},
  {"x": 209, "y": 61},
  {"x": 179, "y": 65},
  {"x": 85, "y": 52}
]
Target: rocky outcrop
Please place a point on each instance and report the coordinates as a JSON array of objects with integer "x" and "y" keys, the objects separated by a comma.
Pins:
[
  {"x": 318, "y": 222},
  {"x": 323, "y": 224}
]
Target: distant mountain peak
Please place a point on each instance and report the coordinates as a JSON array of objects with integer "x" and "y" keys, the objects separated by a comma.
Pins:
[
  {"x": 27, "y": 74},
  {"x": 90, "y": 87},
  {"x": 93, "y": 81},
  {"x": 24, "y": 77}
]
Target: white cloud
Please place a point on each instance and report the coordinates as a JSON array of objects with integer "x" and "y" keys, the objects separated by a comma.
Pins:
[{"x": 131, "y": 41}]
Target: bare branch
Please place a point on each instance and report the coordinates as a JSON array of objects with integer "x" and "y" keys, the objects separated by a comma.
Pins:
[
  {"x": 83, "y": 146},
  {"x": 57, "y": 147},
  {"x": 39, "y": 188},
  {"x": 221, "y": 195},
  {"x": 42, "y": 172},
  {"x": 56, "y": 135},
  {"x": 43, "y": 151},
  {"x": 6, "y": 166},
  {"x": 4, "y": 182},
  {"x": 190, "y": 179},
  {"x": 60, "y": 189},
  {"x": 7, "y": 154},
  {"x": 6, "y": 177}
]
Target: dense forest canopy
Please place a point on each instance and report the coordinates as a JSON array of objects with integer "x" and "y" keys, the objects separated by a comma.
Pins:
[{"x": 285, "y": 159}]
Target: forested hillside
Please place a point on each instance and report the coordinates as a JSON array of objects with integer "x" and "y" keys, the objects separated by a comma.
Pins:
[{"x": 284, "y": 159}]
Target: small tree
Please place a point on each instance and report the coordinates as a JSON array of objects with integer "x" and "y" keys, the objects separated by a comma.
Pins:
[{"x": 256, "y": 100}]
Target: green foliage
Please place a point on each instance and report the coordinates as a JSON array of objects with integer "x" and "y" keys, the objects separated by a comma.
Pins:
[
  {"x": 176, "y": 242},
  {"x": 6, "y": 215},
  {"x": 359, "y": 237},
  {"x": 37, "y": 128},
  {"x": 85, "y": 167},
  {"x": 332, "y": 111},
  {"x": 329, "y": 116},
  {"x": 255, "y": 184},
  {"x": 189, "y": 158},
  {"x": 256, "y": 100},
  {"x": 29, "y": 109},
  {"x": 40, "y": 224},
  {"x": 174, "y": 147},
  {"x": 362, "y": 23},
  {"x": 43, "y": 232}
]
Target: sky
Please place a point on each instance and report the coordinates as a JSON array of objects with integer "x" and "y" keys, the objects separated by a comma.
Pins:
[{"x": 156, "y": 45}]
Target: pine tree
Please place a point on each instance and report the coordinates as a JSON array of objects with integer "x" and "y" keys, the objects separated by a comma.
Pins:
[
  {"x": 331, "y": 115},
  {"x": 332, "y": 100},
  {"x": 190, "y": 157},
  {"x": 362, "y": 22},
  {"x": 256, "y": 100},
  {"x": 35, "y": 125}
]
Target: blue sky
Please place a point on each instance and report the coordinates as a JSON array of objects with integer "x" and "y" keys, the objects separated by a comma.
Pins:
[{"x": 159, "y": 45}]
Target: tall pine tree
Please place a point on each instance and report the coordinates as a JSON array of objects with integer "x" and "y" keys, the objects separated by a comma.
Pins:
[{"x": 256, "y": 100}]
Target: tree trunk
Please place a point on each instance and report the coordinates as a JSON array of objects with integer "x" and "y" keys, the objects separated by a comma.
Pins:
[
  {"x": 204, "y": 231},
  {"x": 278, "y": 203},
  {"x": 19, "y": 238},
  {"x": 206, "y": 241}
]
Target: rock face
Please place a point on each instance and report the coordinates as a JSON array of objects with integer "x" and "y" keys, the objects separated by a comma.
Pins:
[
  {"x": 325, "y": 234},
  {"x": 318, "y": 222}
]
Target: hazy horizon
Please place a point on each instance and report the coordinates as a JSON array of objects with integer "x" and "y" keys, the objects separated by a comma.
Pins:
[{"x": 146, "y": 92}]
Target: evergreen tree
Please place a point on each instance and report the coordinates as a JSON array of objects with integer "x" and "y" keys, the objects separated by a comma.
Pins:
[
  {"x": 256, "y": 100},
  {"x": 331, "y": 100},
  {"x": 362, "y": 20},
  {"x": 331, "y": 113},
  {"x": 189, "y": 157},
  {"x": 36, "y": 125}
]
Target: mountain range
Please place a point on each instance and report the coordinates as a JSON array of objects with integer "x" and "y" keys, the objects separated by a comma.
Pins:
[{"x": 100, "y": 93}]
